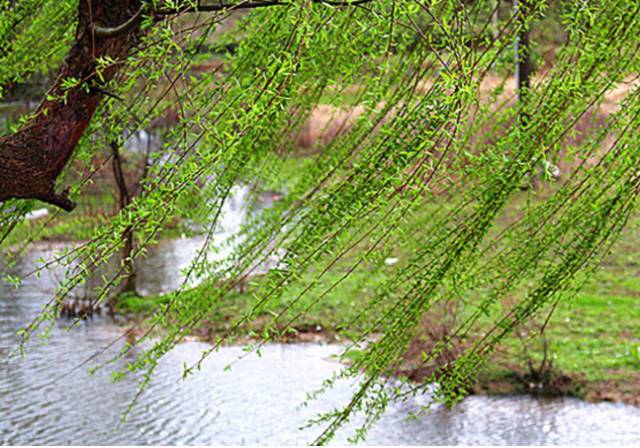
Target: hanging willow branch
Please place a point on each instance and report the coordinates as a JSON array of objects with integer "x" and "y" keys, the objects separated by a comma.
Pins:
[
  {"x": 426, "y": 111},
  {"x": 32, "y": 159}
]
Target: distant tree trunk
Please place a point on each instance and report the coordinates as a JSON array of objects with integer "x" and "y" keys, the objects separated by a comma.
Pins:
[
  {"x": 524, "y": 69},
  {"x": 521, "y": 9},
  {"x": 495, "y": 19},
  {"x": 124, "y": 199}
]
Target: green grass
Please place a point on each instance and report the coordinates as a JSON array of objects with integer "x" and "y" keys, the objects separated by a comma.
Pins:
[
  {"x": 291, "y": 170},
  {"x": 593, "y": 338},
  {"x": 596, "y": 335},
  {"x": 312, "y": 312}
]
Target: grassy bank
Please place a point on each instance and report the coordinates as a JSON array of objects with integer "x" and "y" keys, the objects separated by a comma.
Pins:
[{"x": 589, "y": 348}]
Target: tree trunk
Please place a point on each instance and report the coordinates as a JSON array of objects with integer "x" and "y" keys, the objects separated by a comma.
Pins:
[
  {"x": 32, "y": 159},
  {"x": 124, "y": 197},
  {"x": 495, "y": 20},
  {"x": 524, "y": 68}
]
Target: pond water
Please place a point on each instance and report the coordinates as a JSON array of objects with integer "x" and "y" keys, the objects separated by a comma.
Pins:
[{"x": 44, "y": 401}]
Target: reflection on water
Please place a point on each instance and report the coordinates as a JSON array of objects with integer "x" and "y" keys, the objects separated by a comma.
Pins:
[{"x": 257, "y": 402}]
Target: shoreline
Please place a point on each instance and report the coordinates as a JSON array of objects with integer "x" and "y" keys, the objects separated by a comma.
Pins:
[
  {"x": 496, "y": 381},
  {"x": 502, "y": 376}
]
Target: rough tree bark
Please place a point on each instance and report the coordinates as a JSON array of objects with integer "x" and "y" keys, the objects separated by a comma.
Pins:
[{"x": 32, "y": 159}]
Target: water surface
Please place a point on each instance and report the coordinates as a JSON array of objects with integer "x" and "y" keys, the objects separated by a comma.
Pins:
[{"x": 44, "y": 401}]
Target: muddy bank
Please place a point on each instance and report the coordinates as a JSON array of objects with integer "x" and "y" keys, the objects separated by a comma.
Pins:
[
  {"x": 502, "y": 377},
  {"x": 623, "y": 389}
]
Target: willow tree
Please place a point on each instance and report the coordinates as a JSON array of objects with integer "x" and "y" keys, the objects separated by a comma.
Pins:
[{"x": 428, "y": 129}]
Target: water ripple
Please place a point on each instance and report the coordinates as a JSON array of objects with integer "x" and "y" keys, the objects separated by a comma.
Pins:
[{"x": 256, "y": 403}]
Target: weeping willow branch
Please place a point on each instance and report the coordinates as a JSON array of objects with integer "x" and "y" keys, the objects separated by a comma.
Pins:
[
  {"x": 431, "y": 111},
  {"x": 33, "y": 158}
]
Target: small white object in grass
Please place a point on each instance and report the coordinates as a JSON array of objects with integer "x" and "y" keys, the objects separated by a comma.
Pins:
[
  {"x": 390, "y": 261},
  {"x": 550, "y": 170},
  {"x": 36, "y": 214}
]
